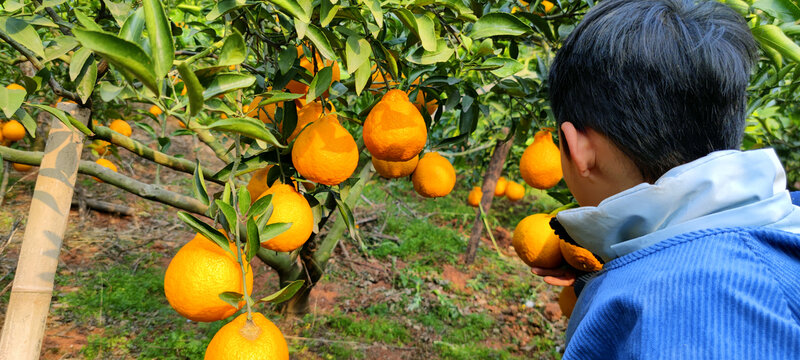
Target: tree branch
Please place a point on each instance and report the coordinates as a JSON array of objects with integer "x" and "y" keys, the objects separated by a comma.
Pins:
[
  {"x": 136, "y": 147},
  {"x": 57, "y": 88},
  {"x": 143, "y": 190}
]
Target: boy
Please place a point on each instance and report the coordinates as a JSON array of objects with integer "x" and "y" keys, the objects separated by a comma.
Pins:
[{"x": 699, "y": 240}]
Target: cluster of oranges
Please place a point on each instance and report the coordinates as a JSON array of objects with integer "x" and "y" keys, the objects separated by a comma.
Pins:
[
  {"x": 14, "y": 131},
  {"x": 101, "y": 146}
]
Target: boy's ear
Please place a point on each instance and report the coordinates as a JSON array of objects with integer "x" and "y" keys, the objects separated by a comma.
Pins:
[{"x": 582, "y": 154}]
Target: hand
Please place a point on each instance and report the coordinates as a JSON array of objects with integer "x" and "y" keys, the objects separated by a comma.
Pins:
[{"x": 563, "y": 276}]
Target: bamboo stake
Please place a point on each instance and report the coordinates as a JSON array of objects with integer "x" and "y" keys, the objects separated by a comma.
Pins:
[{"x": 47, "y": 220}]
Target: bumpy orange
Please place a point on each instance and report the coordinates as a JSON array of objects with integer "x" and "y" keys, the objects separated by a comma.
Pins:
[
  {"x": 395, "y": 169},
  {"x": 265, "y": 113},
  {"x": 121, "y": 126},
  {"x": 567, "y": 300},
  {"x": 515, "y": 191},
  {"x": 289, "y": 207},
  {"x": 307, "y": 114},
  {"x": 434, "y": 176},
  {"x": 500, "y": 188},
  {"x": 155, "y": 110},
  {"x": 394, "y": 129},
  {"x": 297, "y": 87},
  {"x": 13, "y": 131},
  {"x": 420, "y": 103},
  {"x": 106, "y": 164},
  {"x": 474, "y": 197},
  {"x": 579, "y": 257},
  {"x": 243, "y": 340},
  {"x": 540, "y": 165},
  {"x": 198, "y": 273},
  {"x": 258, "y": 183},
  {"x": 325, "y": 152},
  {"x": 536, "y": 243},
  {"x": 14, "y": 86}
]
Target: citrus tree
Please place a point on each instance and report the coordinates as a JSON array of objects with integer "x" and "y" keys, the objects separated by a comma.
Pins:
[{"x": 289, "y": 94}]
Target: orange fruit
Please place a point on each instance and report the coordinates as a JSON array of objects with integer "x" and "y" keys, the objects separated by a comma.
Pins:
[
  {"x": 325, "y": 152},
  {"x": 241, "y": 339},
  {"x": 14, "y": 86},
  {"x": 1, "y": 133},
  {"x": 474, "y": 197},
  {"x": 198, "y": 273},
  {"x": 395, "y": 169},
  {"x": 500, "y": 188},
  {"x": 379, "y": 82},
  {"x": 540, "y": 164},
  {"x": 306, "y": 115},
  {"x": 13, "y": 131},
  {"x": 421, "y": 104},
  {"x": 265, "y": 113},
  {"x": 434, "y": 176},
  {"x": 394, "y": 129},
  {"x": 21, "y": 167},
  {"x": 548, "y": 6},
  {"x": 155, "y": 110},
  {"x": 567, "y": 300},
  {"x": 515, "y": 191},
  {"x": 258, "y": 183},
  {"x": 536, "y": 243},
  {"x": 100, "y": 146},
  {"x": 121, "y": 126},
  {"x": 107, "y": 164},
  {"x": 579, "y": 257},
  {"x": 289, "y": 206}
]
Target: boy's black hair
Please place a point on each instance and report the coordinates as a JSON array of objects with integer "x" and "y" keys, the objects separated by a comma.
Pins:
[{"x": 664, "y": 80}]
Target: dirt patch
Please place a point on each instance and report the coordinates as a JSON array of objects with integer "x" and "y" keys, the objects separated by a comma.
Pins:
[{"x": 456, "y": 278}]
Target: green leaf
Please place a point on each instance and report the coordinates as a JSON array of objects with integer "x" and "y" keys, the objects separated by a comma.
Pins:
[
  {"x": 243, "y": 199},
  {"x": 120, "y": 11},
  {"x": 78, "y": 59},
  {"x": 200, "y": 189},
  {"x": 322, "y": 81},
  {"x": 38, "y": 20},
  {"x": 426, "y": 30},
  {"x": 374, "y": 7},
  {"x": 229, "y": 213},
  {"x": 121, "y": 53},
  {"x": 319, "y": 39},
  {"x": 294, "y": 9},
  {"x": 23, "y": 33},
  {"x": 327, "y": 12},
  {"x": 772, "y": 36},
  {"x": 194, "y": 10},
  {"x": 86, "y": 79},
  {"x": 27, "y": 121},
  {"x": 499, "y": 24},
  {"x": 65, "y": 118},
  {"x": 159, "y": 33},
  {"x": 86, "y": 21},
  {"x": 206, "y": 230},
  {"x": 233, "y": 50},
  {"x": 786, "y": 10},
  {"x": 11, "y": 100},
  {"x": 363, "y": 74},
  {"x": 133, "y": 27},
  {"x": 347, "y": 216},
  {"x": 284, "y": 294},
  {"x": 13, "y": 5},
  {"x": 357, "y": 52},
  {"x": 424, "y": 57},
  {"x": 193, "y": 89},
  {"x": 109, "y": 91},
  {"x": 504, "y": 66},
  {"x": 232, "y": 298},
  {"x": 248, "y": 127},
  {"x": 223, "y": 83},
  {"x": 273, "y": 96},
  {"x": 272, "y": 230},
  {"x": 59, "y": 46},
  {"x": 286, "y": 59},
  {"x": 223, "y": 7},
  {"x": 260, "y": 206},
  {"x": 253, "y": 240}
]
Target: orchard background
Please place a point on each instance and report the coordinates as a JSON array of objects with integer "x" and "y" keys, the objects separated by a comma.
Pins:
[{"x": 213, "y": 91}]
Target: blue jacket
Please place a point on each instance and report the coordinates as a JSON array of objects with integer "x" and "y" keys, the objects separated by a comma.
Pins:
[{"x": 702, "y": 264}]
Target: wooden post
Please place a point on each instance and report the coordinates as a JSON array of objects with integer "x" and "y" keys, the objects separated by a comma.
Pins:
[
  {"x": 47, "y": 220},
  {"x": 493, "y": 172}
]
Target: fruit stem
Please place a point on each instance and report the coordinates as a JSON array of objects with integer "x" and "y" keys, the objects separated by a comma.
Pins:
[
  {"x": 235, "y": 228},
  {"x": 564, "y": 207},
  {"x": 489, "y": 230}
]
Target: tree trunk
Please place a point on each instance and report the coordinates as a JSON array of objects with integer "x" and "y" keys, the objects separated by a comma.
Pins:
[
  {"x": 489, "y": 182},
  {"x": 29, "y": 303}
]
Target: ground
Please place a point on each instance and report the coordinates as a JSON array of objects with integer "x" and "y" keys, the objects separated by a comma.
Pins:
[{"x": 406, "y": 296}]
